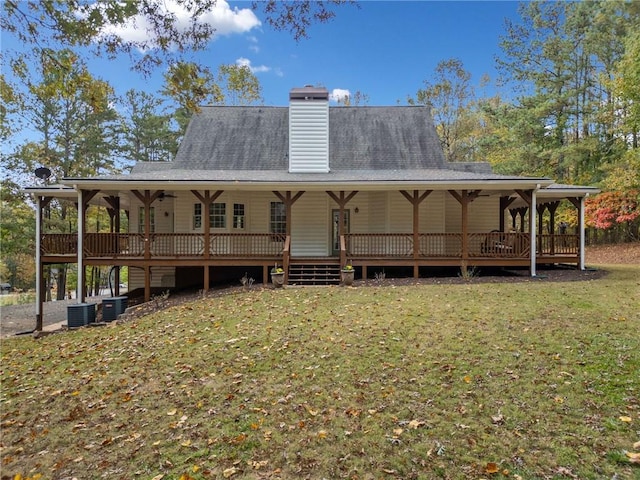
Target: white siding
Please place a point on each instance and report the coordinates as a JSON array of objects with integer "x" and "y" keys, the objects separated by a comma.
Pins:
[
  {"x": 161, "y": 277},
  {"x": 310, "y": 224},
  {"x": 163, "y": 215},
  {"x": 309, "y": 136},
  {"x": 453, "y": 214},
  {"x": 484, "y": 214},
  {"x": 432, "y": 219},
  {"x": 401, "y": 218},
  {"x": 377, "y": 212},
  {"x": 360, "y": 219}
]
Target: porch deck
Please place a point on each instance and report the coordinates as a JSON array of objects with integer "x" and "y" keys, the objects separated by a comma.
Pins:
[{"x": 433, "y": 249}]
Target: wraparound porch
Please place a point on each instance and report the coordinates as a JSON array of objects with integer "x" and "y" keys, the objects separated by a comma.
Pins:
[{"x": 363, "y": 250}]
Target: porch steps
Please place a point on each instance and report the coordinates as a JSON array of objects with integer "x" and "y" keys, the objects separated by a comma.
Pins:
[{"x": 314, "y": 274}]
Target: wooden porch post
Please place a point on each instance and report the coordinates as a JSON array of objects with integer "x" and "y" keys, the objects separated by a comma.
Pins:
[
  {"x": 523, "y": 223},
  {"x": 41, "y": 202},
  {"x": 342, "y": 202},
  {"x": 540, "y": 212},
  {"x": 504, "y": 204},
  {"x": 416, "y": 199},
  {"x": 147, "y": 199},
  {"x": 529, "y": 196},
  {"x": 84, "y": 197},
  {"x": 465, "y": 198},
  {"x": 81, "y": 232},
  {"x": 579, "y": 204},
  {"x": 207, "y": 199},
  {"x": 288, "y": 201},
  {"x": 581, "y": 266},
  {"x": 552, "y": 207},
  {"x": 114, "y": 226},
  {"x": 534, "y": 246}
]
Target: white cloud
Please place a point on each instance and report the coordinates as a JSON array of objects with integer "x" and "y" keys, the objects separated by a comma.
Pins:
[
  {"x": 338, "y": 94},
  {"x": 224, "y": 19},
  {"x": 245, "y": 62}
]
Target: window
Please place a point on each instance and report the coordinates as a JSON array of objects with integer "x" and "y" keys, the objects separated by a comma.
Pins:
[
  {"x": 278, "y": 220},
  {"x": 152, "y": 218},
  {"x": 238, "y": 215},
  {"x": 218, "y": 216},
  {"x": 197, "y": 215}
]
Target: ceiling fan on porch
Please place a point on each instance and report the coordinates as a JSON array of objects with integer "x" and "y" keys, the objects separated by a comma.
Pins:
[{"x": 164, "y": 195}]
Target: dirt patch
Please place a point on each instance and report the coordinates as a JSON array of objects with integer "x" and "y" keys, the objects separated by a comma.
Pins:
[{"x": 625, "y": 253}]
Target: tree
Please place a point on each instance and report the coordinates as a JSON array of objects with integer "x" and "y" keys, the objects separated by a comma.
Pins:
[
  {"x": 615, "y": 208},
  {"x": 74, "y": 129},
  {"x": 356, "y": 99},
  {"x": 171, "y": 28},
  {"x": 627, "y": 86},
  {"x": 450, "y": 95},
  {"x": 190, "y": 85},
  {"x": 239, "y": 84},
  {"x": 17, "y": 234},
  {"x": 147, "y": 132},
  {"x": 562, "y": 57}
]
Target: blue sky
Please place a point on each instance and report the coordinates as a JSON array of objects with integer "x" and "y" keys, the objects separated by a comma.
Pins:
[{"x": 384, "y": 49}]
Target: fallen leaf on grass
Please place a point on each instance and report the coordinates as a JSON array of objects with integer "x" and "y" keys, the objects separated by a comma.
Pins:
[
  {"x": 625, "y": 419},
  {"x": 634, "y": 457},
  {"x": 415, "y": 424},
  {"x": 491, "y": 467},
  {"x": 229, "y": 472}
]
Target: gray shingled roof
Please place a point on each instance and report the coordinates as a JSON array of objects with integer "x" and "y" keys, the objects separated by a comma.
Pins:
[
  {"x": 360, "y": 138},
  {"x": 366, "y": 144}
]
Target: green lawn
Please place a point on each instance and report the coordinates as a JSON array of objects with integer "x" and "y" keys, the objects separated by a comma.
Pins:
[{"x": 531, "y": 380}]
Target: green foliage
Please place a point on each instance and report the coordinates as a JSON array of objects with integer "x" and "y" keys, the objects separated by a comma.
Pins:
[
  {"x": 17, "y": 236},
  {"x": 450, "y": 95},
  {"x": 240, "y": 85},
  {"x": 562, "y": 56},
  {"x": 147, "y": 132}
]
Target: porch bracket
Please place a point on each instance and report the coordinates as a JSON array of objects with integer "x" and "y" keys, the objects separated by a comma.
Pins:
[{"x": 416, "y": 199}]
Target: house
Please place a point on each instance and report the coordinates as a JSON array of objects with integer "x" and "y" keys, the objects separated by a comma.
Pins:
[{"x": 311, "y": 187}]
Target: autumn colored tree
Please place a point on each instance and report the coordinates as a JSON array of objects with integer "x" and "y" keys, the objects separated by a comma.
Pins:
[{"x": 609, "y": 209}]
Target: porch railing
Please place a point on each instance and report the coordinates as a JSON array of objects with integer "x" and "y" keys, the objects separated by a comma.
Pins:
[
  {"x": 120, "y": 245},
  {"x": 362, "y": 245}
]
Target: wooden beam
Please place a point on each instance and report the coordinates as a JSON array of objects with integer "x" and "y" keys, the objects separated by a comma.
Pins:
[
  {"x": 505, "y": 201},
  {"x": 207, "y": 200},
  {"x": 525, "y": 195},
  {"x": 288, "y": 201},
  {"x": 575, "y": 201},
  {"x": 416, "y": 199}
]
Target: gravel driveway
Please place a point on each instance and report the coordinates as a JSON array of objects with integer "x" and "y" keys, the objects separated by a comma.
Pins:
[{"x": 16, "y": 319}]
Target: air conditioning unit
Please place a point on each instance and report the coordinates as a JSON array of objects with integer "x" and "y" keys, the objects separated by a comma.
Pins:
[{"x": 81, "y": 314}]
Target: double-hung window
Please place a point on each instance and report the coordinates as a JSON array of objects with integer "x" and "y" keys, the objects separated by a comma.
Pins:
[
  {"x": 238, "y": 215},
  {"x": 217, "y": 215},
  {"x": 152, "y": 219},
  {"x": 278, "y": 218}
]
